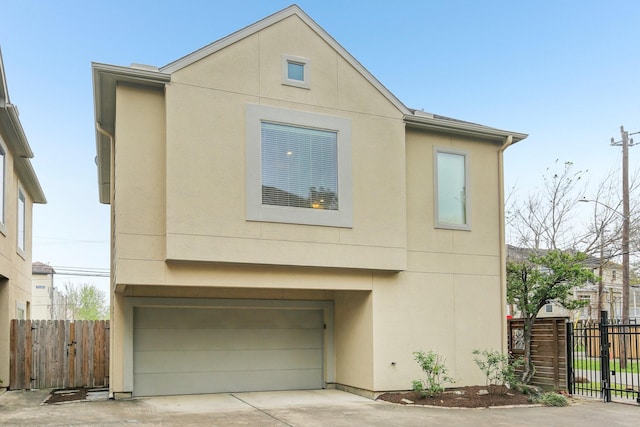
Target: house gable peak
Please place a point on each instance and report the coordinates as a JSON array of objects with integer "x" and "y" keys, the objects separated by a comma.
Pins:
[{"x": 293, "y": 10}]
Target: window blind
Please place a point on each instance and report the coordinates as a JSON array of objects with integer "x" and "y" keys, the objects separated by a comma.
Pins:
[{"x": 299, "y": 167}]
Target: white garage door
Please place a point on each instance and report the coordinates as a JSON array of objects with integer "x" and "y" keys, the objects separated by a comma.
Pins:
[{"x": 210, "y": 350}]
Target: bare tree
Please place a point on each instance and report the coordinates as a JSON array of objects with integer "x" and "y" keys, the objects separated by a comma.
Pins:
[
  {"x": 544, "y": 219},
  {"x": 603, "y": 228}
]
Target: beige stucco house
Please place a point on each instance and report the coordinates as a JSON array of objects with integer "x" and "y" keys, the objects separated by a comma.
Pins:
[
  {"x": 280, "y": 220},
  {"x": 19, "y": 190}
]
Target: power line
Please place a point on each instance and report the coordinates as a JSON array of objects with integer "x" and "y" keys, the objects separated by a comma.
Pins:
[
  {"x": 100, "y": 269},
  {"x": 84, "y": 274}
]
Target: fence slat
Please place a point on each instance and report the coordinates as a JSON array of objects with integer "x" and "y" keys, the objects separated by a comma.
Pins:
[
  {"x": 548, "y": 349},
  {"x": 55, "y": 354}
]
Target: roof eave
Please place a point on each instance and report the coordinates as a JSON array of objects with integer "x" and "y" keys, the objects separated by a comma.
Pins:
[
  {"x": 29, "y": 180},
  {"x": 105, "y": 79},
  {"x": 461, "y": 128},
  {"x": 17, "y": 144}
]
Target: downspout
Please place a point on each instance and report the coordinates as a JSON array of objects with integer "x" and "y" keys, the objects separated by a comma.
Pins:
[
  {"x": 112, "y": 281},
  {"x": 503, "y": 247}
]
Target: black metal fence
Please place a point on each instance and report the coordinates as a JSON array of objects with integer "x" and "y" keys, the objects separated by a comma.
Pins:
[{"x": 604, "y": 359}]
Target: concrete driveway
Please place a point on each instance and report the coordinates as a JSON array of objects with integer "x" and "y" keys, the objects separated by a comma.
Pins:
[{"x": 295, "y": 408}]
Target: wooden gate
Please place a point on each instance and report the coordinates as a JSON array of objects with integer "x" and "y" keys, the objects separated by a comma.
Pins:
[
  {"x": 59, "y": 354},
  {"x": 548, "y": 349}
]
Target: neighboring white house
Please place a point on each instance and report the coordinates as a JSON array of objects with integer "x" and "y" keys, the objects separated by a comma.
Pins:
[
  {"x": 611, "y": 291},
  {"x": 47, "y": 302}
]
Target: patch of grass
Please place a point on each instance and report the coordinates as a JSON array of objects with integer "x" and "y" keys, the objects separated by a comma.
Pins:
[
  {"x": 552, "y": 399},
  {"x": 594, "y": 365},
  {"x": 596, "y": 386}
]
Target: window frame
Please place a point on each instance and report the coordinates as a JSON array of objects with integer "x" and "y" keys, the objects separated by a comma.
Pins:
[
  {"x": 21, "y": 218},
  {"x": 467, "y": 199},
  {"x": 305, "y": 83},
  {"x": 255, "y": 210}
]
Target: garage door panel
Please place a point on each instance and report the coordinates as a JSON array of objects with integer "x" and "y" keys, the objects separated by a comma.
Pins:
[
  {"x": 238, "y": 360},
  {"x": 217, "y": 339},
  {"x": 225, "y": 382},
  {"x": 222, "y": 349},
  {"x": 227, "y": 318}
]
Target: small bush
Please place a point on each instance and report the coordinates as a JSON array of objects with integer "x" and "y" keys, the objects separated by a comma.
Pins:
[
  {"x": 498, "y": 369},
  {"x": 531, "y": 390},
  {"x": 552, "y": 399},
  {"x": 432, "y": 364}
]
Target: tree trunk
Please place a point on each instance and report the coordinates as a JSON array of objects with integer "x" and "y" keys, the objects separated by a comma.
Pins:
[{"x": 528, "y": 369}]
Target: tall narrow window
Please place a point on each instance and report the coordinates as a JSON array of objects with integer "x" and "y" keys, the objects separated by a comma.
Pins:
[
  {"x": 21, "y": 221},
  {"x": 452, "y": 210}
]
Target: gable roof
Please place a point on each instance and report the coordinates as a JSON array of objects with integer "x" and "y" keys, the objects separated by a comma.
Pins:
[
  {"x": 293, "y": 10},
  {"x": 14, "y": 137},
  {"x": 41, "y": 268}
]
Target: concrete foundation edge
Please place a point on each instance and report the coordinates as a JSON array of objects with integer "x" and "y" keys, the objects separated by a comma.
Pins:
[{"x": 355, "y": 390}]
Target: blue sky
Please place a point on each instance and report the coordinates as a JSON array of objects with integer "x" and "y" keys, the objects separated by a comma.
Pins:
[{"x": 565, "y": 72}]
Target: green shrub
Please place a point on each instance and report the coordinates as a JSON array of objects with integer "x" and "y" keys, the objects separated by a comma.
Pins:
[
  {"x": 552, "y": 399},
  {"x": 497, "y": 368},
  {"x": 432, "y": 364}
]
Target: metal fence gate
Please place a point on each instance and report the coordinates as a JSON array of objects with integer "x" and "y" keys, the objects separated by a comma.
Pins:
[{"x": 604, "y": 359}]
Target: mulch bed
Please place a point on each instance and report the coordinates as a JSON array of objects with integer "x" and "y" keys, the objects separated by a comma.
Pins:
[
  {"x": 463, "y": 397},
  {"x": 67, "y": 395}
]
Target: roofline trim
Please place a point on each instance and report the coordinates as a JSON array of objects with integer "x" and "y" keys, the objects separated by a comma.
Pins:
[
  {"x": 271, "y": 20},
  {"x": 17, "y": 143},
  {"x": 105, "y": 79},
  {"x": 461, "y": 128}
]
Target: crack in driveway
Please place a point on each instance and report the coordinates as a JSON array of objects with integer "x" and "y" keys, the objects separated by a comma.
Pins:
[{"x": 261, "y": 410}]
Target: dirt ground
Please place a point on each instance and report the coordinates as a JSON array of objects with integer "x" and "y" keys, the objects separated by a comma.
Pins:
[
  {"x": 463, "y": 397},
  {"x": 67, "y": 395}
]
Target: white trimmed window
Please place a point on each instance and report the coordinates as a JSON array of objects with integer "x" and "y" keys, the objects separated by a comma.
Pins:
[
  {"x": 298, "y": 167},
  {"x": 296, "y": 71},
  {"x": 21, "y": 221},
  {"x": 451, "y": 189}
]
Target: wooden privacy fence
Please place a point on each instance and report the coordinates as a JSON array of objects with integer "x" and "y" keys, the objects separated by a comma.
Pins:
[
  {"x": 624, "y": 339},
  {"x": 59, "y": 353},
  {"x": 548, "y": 349}
]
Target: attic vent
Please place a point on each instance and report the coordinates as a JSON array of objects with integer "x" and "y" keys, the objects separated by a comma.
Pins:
[{"x": 144, "y": 67}]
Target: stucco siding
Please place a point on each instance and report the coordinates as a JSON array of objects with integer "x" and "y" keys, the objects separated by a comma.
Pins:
[
  {"x": 206, "y": 157},
  {"x": 354, "y": 339}
]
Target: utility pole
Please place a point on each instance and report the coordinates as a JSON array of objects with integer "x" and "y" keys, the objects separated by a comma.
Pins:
[{"x": 625, "y": 143}]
